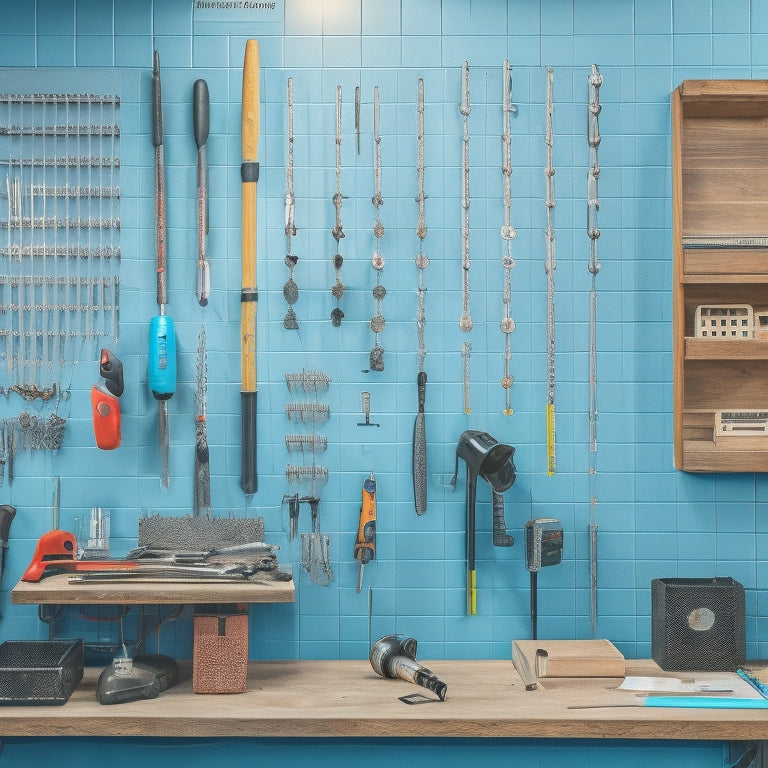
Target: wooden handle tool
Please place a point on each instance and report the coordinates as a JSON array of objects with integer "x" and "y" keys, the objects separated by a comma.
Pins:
[{"x": 249, "y": 173}]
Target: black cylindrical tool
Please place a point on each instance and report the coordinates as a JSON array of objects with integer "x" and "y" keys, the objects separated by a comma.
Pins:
[
  {"x": 7, "y": 513},
  {"x": 486, "y": 457},
  {"x": 543, "y": 547}
]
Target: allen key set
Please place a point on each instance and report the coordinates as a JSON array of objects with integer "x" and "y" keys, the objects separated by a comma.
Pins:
[
  {"x": 310, "y": 476},
  {"x": 59, "y": 237}
]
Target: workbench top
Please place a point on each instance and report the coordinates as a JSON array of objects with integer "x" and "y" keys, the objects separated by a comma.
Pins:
[{"x": 486, "y": 699}]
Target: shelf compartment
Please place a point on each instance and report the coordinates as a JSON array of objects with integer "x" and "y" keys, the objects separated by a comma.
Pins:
[{"x": 725, "y": 385}]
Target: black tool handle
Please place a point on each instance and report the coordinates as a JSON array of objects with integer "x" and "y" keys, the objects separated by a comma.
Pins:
[
  {"x": 421, "y": 384},
  {"x": 249, "y": 479},
  {"x": 201, "y": 114},
  {"x": 157, "y": 103},
  {"x": 420, "y": 449},
  {"x": 111, "y": 370},
  {"x": 7, "y": 513}
]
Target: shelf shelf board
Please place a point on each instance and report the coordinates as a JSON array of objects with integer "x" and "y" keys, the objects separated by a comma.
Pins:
[
  {"x": 694, "y": 278},
  {"x": 58, "y": 591},
  {"x": 722, "y": 349},
  {"x": 705, "y": 455}
]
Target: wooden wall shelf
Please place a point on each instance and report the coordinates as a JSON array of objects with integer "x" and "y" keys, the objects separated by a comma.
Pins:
[
  {"x": 720, "y": 206},
  {"x": 58, "y": 591}
]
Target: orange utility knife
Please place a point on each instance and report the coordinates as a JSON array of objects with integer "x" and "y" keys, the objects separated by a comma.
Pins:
[{"x": 365, "y": 546}]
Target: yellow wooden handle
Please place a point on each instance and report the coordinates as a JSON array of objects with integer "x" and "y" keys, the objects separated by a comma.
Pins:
[
  {"x": 251, "y": 121},
  {"x": 249, "y": 173}
]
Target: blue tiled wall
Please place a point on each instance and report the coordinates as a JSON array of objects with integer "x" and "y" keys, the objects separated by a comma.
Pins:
[{"x": 653, "y": 520}]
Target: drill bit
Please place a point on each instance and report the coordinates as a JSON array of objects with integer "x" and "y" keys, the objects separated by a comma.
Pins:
[{"x": 202, "y": 454}]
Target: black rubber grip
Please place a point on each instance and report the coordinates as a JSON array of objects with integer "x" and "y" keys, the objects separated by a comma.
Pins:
[
  {"x": 421, "y": 384},
  {"x": 249, "y": 172},
  {"x": 201, "y": 114},
  {"x": 249, "y": 479},
  {"x": 157, "y": 103}
]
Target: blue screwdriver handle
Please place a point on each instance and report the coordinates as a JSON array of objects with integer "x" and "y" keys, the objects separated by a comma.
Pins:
[{"x": 162, "y": 357}]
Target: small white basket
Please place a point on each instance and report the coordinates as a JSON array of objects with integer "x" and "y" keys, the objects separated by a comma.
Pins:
[{"x": 724, "y": 321}]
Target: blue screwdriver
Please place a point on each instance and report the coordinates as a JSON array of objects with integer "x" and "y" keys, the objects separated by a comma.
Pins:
[{"x": 162, "y": 336}]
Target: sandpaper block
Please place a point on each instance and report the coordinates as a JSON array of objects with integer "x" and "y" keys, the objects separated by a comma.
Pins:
[
  {"x": 188, "y": 533},
  {"x": 150, "y": 675}
]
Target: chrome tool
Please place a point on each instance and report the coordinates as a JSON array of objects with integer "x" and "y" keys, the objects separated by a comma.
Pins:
[
  {"x": 394, "y": 656},
  {"x": 201, "y": 122}
]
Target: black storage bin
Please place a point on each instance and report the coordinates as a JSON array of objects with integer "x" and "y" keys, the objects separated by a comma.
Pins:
[
  {"x": 698, "y": 624},
  {"x": 39, "y": 671}
]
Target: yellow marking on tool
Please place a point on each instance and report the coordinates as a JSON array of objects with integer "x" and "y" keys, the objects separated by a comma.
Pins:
[
  {"x": 550, "y": 439},
  {"x": 471, "y": 593}
]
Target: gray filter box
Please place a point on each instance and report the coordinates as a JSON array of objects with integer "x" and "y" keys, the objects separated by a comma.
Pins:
[{"x": 698, "y": 624}]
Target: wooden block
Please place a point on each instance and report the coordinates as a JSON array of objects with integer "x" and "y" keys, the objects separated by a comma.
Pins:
[{"x": 571, "y": 658}]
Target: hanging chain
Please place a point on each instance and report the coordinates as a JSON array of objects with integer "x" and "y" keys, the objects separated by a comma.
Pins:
[
  {"x": 593, "y": 231},
  {"x": 508, "y": 234},
  {"x": 422, "y": 262},
  {"x": 549, "y": 268},
  {"x": 377, "y": 261},
  {"x": 338, "y": 287},
  {"x": 357, "y": 119},
  {"x": 465, "y": 323},
  {"x": 290, "y": 289}
]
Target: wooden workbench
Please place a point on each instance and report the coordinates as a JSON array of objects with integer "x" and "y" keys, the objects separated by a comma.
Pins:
[{"x": 486, "y": 699}]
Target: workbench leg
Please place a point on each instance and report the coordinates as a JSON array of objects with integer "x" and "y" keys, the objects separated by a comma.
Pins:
[{"x": 747, "y": 754}]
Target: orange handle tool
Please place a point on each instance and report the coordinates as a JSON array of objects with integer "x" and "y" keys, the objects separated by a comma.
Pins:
[
  {"x": 106, "y": 419},
  {"x": 365, "y": 546},
  {"x": 58, "y": 550}
]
